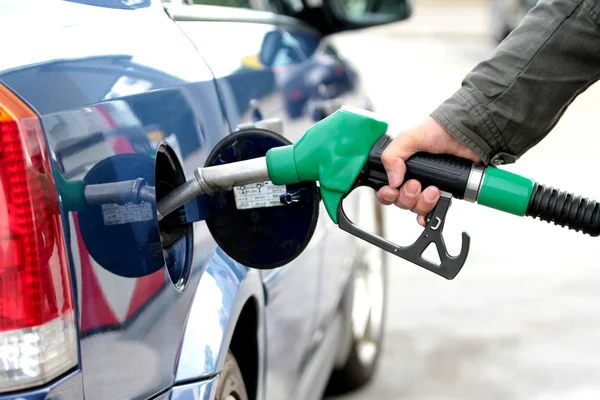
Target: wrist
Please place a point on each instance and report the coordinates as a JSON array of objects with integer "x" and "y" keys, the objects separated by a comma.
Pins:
[
  {"x": 433, "y": 128},
  {"x": 452, "y": 143},
  {"x": 435, "y": 138}
]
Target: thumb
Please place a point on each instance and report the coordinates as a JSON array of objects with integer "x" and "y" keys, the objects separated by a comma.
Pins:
[{"x": 393, "y": 157}]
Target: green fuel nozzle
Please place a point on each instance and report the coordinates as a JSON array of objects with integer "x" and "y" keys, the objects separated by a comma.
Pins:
[
  {"x": 343, "y": 152},
  {"x": 333, "y": 152}
]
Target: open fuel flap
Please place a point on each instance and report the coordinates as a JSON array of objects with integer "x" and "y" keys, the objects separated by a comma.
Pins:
[
  {"x": 257, "y": 223},
  {"x": 176, "y": 234},
  {"x": 260, "y": 225}
]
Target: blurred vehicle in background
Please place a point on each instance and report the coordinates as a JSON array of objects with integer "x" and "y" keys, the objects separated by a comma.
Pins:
[{"x": 506, "y": 15}]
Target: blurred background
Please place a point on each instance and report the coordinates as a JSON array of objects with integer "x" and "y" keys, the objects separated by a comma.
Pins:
[{"x": 522, "y": 320}]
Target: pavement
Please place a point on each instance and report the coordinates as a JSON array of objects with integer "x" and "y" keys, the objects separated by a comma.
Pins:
[{"x": 522, "y": 320}]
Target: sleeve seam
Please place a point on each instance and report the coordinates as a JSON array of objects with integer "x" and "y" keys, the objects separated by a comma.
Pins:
[
  {"x": 592, "y": 11},
  {"x": 487, "y": 120}
]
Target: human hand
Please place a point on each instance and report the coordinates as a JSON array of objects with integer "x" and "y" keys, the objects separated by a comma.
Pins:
[{"x": 430, "y": 137}]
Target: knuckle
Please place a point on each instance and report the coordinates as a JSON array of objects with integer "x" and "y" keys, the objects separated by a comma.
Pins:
[
  {"x": 416, "y": 210},
  {"x": 400, "y": 204},
  {"x": 387, "y": 157},
  {"x": 405, "y": 203},
  {"x": 385, "y": 201},
  {"x": 386, "y": 196},
  {"x": 423, "y": 206},
  {"x": 431, "y": 197}
]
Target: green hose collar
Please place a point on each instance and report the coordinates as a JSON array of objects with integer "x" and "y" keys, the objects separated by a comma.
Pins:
[{"x": 505, "y": 191}]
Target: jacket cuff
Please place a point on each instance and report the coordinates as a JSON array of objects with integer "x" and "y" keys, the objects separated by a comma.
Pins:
[{"x": 466, "y": 119}]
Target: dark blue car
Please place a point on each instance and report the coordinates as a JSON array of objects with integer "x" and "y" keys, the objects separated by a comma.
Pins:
[{"x": 108, "y": 105}]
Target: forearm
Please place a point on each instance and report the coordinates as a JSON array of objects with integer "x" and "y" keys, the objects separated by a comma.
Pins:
[{"x": 511, "y": 101}]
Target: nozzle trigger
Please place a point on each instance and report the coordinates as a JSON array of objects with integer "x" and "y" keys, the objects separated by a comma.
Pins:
[{"x": 449, "y": 266}]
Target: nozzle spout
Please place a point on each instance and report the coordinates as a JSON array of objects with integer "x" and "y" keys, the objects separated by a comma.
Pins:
[
  {"x": 177, "y": 198},
  {"x": 211, "y": 179}
]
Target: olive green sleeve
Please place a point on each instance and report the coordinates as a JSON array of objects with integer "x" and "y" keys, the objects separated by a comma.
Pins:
[{"x": 511, "y": 101}]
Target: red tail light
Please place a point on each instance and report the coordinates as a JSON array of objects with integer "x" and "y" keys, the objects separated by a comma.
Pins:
[{"x": 37, "y": 330}]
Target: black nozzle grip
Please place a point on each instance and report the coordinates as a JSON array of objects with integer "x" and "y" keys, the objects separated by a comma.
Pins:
[{"x": 447, "y": 173}]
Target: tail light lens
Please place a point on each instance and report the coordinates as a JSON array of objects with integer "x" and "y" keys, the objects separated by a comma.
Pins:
[{"x": 37, "y": 329}]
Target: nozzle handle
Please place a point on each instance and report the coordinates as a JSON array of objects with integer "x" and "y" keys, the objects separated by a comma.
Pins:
[
  {"x": 448, "y": 173},
  {"x": 490, "y": 187}
]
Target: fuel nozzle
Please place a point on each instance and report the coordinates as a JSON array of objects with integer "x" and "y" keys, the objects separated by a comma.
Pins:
[{"x": 343, "y": 152}]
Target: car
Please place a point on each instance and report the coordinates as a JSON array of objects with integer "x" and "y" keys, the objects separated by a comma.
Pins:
[
  {"x": 106, "y": 107},
  {"x": 506, "y": 15}
]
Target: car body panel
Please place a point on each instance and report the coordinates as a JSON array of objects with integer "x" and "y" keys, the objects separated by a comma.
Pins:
[
  {"x": 116, "y": 95},
  {"x": 111, "y": 81},
  {"x": 204, "y": 390},
  {"x": 69, "y": 386},
  {"x": 301, "y": 279},
  {"x": 224, "y": 288},
  {"x": 303, "y": 62}
]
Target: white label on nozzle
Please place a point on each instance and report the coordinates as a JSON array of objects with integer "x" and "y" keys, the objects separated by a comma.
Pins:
[
  {"x": 258, "y": 195},
  {"x": 115, "y": 214}
]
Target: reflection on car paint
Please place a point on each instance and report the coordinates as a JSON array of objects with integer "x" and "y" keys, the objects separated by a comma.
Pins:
[
  {"x": 285, "y": 72},
  {"x": 107, "y": 98},
  {"x": 204, "y": 390},
  {"x": 286, "y": 61},
  {"x": 104, "y": 109}
]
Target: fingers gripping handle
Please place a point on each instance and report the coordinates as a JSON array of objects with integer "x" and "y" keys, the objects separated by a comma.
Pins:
[
  {"x": 452, "y": 175},
  {"x": 462, "y": 179},
  {"x": 490, "y": 187},
  {"x": 448, "y": 173}
]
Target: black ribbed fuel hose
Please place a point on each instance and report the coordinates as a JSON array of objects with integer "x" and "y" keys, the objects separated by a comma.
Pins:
[{"x": 565, "y": 209}]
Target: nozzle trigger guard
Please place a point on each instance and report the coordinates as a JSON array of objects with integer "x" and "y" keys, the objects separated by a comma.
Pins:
[{"x": 449, "y": 266}]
